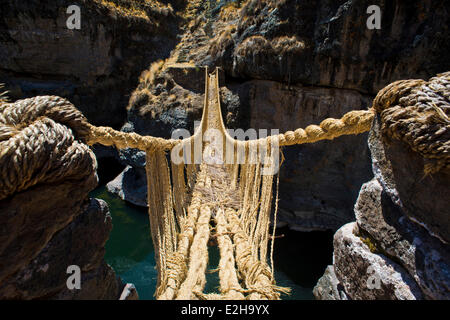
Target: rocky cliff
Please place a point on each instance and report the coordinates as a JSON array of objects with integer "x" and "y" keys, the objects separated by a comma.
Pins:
[
  {"x": 398, "y": 247},
  {"x": 287, "y": 64},
  {"x": 48, "y": 221},
  {"x": 97, "y": 66}
]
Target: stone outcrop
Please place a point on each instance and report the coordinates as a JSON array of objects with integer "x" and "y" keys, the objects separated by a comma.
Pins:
[
  {"x": 45, "y": 275},
  {"x": 328, "y": 287},
  {"x": 425, "y": 257},
  {"x": 31, "y": 218},
  {"x": 401, "y": 173},
  {"x": 384, "y": 255},
  {"x": 398, "y": 247},
  {"x": 61, "y": 228},
  {"x": 365, "y": 275}
]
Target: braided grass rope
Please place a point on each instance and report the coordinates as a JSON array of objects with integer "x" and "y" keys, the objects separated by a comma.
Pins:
[
  {"x": 177, "y": 263},
  {"x": 38, "y": 146},
  {"x": 198, "y": 256},
  {"x": 417, "y": 113}
]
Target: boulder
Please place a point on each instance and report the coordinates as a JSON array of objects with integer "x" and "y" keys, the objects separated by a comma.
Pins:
[
  {"x": 46, "y": 274},
  {"x": 425, "y": 258},
  {"x": 30, "y": 218},
  {"x": 130, "y": 185},
  {"x": 367, "y": 275},
  {"x": 328, "y": 287},
  {"x": 129, "y": 292}
]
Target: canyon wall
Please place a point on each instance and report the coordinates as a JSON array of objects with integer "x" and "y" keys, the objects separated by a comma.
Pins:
[{"x": 95, "y": 67}]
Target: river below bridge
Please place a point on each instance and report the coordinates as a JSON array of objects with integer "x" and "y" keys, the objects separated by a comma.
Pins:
[{"x": 300, "y": 258}]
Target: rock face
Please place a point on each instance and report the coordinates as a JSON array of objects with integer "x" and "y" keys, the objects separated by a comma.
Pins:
[
  {"x": 46, "y": 274},
  {"x": 365, "y": 275},
  {"x": 95, "y": 67},
  {"x": 66, "y": 231},
  {"x": 425, "y": 258},
  {"x": 328, "y": 43},
  {"x": 317, "y": 185},
  {"x": 397, "y": 248},
  {"x": 329, "y": 287}
]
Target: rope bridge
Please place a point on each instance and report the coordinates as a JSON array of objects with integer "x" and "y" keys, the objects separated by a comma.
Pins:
[{"x": 222, "y": 188}]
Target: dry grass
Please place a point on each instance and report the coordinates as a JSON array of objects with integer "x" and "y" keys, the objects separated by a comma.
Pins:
[
  {"x": 142, "y": 95},
  {"x": 280, "y": 46},
  {"x": 172, "y": 98},
  {"x": 193, "y": 10},
  {"x": 196, "y": 11},
  {"x": 3, "y": 94},
  {"x": 287, "y": 45},
  {"x": 137, "y": 9},
  {"x": 250, "y": 11},
  {"x": 220, "y": 42},
  {"x": 150, "y": 107},
  {"x": 147, "y": 78},
  {"x": 253, "y": 45},
  {"x": 254, "y": 12},
  {"x": 230, "y": 11}
]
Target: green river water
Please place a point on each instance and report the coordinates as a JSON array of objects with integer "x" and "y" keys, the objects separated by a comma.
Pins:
[{"x": 299, "y": 258}]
